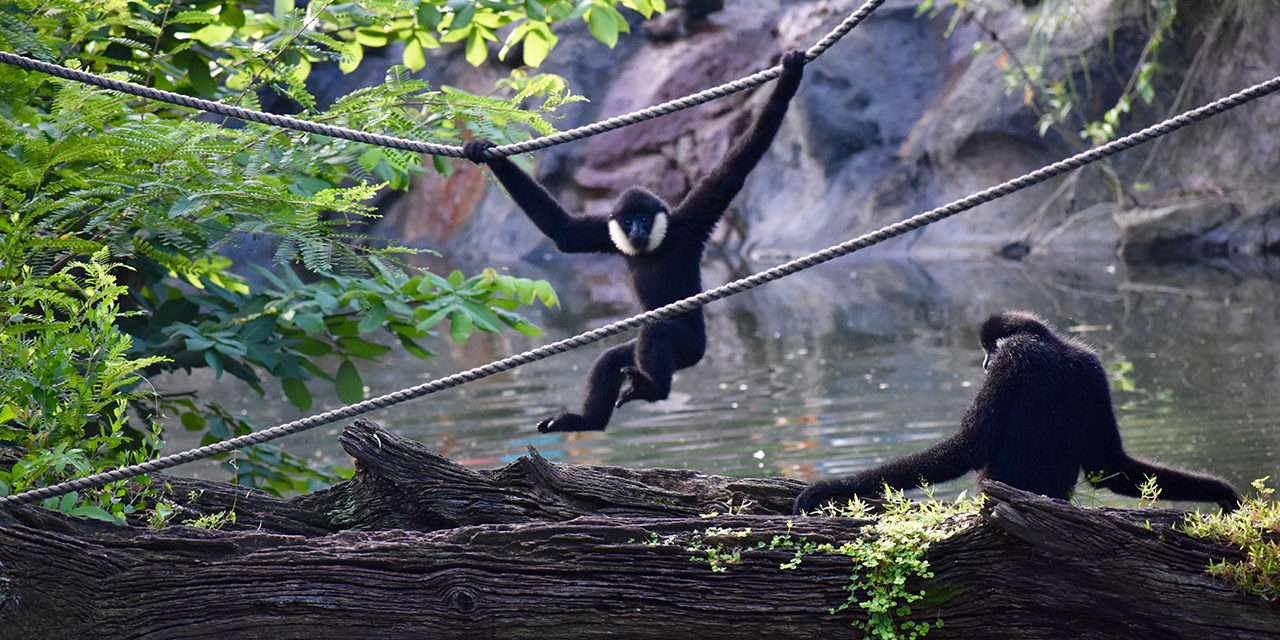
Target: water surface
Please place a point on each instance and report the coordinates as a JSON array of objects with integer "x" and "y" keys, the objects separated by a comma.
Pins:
[{"x": 848, "y": 365}]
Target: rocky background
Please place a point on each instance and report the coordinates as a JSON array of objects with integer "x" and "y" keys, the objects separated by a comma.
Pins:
[{"x": 899, "y": 117}]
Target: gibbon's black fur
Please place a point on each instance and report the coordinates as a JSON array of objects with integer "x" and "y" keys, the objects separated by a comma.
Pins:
[
  {"x": 663, "y": 247},
  {"x": 1043, "y": 414}
]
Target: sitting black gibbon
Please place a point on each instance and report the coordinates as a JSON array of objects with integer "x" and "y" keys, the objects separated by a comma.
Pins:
[
  {"x": 663, "y": 247},
  {"x": 1042, "y": 415}
]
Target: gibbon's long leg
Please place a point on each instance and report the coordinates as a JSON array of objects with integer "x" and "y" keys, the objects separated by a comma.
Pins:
[
  {"x": 1125, "y": 475},
  {"x": 603, "y": 384},
  {"x": 1105, "y": 458},
  {"x": 661, "y": 350},
  {"x": 944, "y": 461}
]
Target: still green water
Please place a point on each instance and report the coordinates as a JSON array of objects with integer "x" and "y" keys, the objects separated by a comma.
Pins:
[{"x": 848, "y": 365}]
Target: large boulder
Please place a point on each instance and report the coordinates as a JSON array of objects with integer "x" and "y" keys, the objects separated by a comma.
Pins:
[{"x": 899, "y": 117}]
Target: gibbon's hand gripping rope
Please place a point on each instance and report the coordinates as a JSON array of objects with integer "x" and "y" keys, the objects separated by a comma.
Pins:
[
  {"x": 676, "y": 308},
  {"x": 569, "y": 135}
]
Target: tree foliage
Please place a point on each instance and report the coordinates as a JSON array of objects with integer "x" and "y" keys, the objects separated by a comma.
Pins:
[{"x": 115, "y": 211}]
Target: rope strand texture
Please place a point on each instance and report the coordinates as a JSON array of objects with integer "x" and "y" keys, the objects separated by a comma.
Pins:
[
  {"x": 676, "y": 308},
  {"x": 433, "y": 148}
]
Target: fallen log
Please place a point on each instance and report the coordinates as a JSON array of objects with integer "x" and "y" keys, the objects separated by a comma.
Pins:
[
  {"x": 1023, "y": 567},
  {"x": 401, "y": 484}
]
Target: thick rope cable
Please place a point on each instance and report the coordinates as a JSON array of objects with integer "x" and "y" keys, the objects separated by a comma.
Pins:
[
  {"x": 674, "y": 309},
  {"x": 433, "y": 148}
]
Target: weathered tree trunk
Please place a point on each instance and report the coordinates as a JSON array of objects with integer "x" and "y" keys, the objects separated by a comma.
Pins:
[
  {"x": 447, "y": 552},
  {"x": 401, "y": 484}
]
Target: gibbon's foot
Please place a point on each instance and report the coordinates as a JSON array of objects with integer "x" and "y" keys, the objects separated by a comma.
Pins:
[
  {"x": 566, "y": 422},
  {"x": 475, "y": 151},
  {"x": 639, "y": 387}
]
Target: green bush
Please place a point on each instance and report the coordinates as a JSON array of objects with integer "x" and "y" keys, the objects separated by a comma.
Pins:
[{"x": 114, "y": 211}]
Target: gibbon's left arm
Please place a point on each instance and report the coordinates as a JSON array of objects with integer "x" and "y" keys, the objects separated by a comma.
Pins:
[
  {"x": 570, "y": 233},
  {"x": 944, "y": 461},
  {"x": 969, "y": 450},
  {"x": 709, "y": 199}
]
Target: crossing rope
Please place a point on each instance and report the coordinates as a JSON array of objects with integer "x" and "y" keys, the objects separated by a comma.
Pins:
[
  {"x": 433, "y": 148},
  {"x": 674, "y": 309}
]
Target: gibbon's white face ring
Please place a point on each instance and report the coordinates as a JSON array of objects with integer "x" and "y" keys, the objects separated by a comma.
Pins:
[
  {"x": 620, "y": 239},
  {"x": 659, "y": 231},
  {"x": 656, "y": 235}
]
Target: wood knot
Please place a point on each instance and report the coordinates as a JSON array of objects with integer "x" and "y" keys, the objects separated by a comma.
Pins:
[{"x": 462, "y": 599}]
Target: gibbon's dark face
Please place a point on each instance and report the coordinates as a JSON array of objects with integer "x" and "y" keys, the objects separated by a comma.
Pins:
[
  {"x": 1000, "y": 327},
  {"x": 638, "y": 223}
]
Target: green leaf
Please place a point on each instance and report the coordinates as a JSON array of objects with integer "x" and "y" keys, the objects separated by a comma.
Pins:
[
  {"x": 460, "y": 326},
  {"x": 351, "y": 57},
  {"x": 195, "y": 17},
  {"x": 414, "y": 57},
  {"x": 373, "y": 318},
  {"x": 198, "y": 344},
  {"x": 93, "y": 511},
  {"x": 348, "y": 383},
  {"x": 214, "y": 362},
  {"x": 362, "y": 348},
  {"x": 310, "y": 346},
  {"x": 463, "y": 17},
  {"x": 232, "y": 15},
  {"x": 433, "y": 319},
  {"x": 602, "y": 25},
  {"x": 296, "y": 391},
  {"x": 193, "y": 421},
  {"x": 213, "y": 34},
  {"x": 258, "y": 329},
  {"x": 526, "y": 292},
  {"x": 534, "y": 10},
  {"x": 372, "y": 37},
  {"x": 315, "y": 370},
  {"x": 527, "y": 328},
  {"x": 414, "y": 348},
  {"x": 485, "y": 319},
  {"x": 309, "y": 322},
  {"x": 199, "y": 77},
  {"x": 579, "y": 10},
  {"x": 429, "y": 16},
  {"x": 536, "y": 47},
  {"x": 341, "y": 326},
  {"x": 476, "y": 49},
  {"x": 370, "y": 159},
  {"x": 546, "y": 294}
]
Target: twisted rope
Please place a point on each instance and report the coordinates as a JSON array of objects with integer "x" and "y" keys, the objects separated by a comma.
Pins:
[
  {"x": 674, "y": 309},
  {"x": 454, "y": 151}
]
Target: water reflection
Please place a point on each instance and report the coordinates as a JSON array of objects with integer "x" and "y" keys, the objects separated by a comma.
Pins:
[{"x": 850, "y": 364}]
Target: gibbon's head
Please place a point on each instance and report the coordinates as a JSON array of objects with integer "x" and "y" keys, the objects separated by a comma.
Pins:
[
  {"x": 638, "y": 223},
  {"x": 999, "y": 328}
]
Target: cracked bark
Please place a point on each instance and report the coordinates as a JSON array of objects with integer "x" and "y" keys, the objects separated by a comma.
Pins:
[{"x": 418, "y": 546}]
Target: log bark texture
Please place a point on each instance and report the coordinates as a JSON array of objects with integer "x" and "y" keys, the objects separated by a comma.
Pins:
[
  {"x": 401, "y": 484},
  {"x": 418, "y": 547}
]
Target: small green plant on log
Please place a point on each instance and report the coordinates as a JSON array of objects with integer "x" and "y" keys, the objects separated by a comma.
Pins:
[
  {"x": 1253, "y": 528},
  {"x": 888, "y": 552}
]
